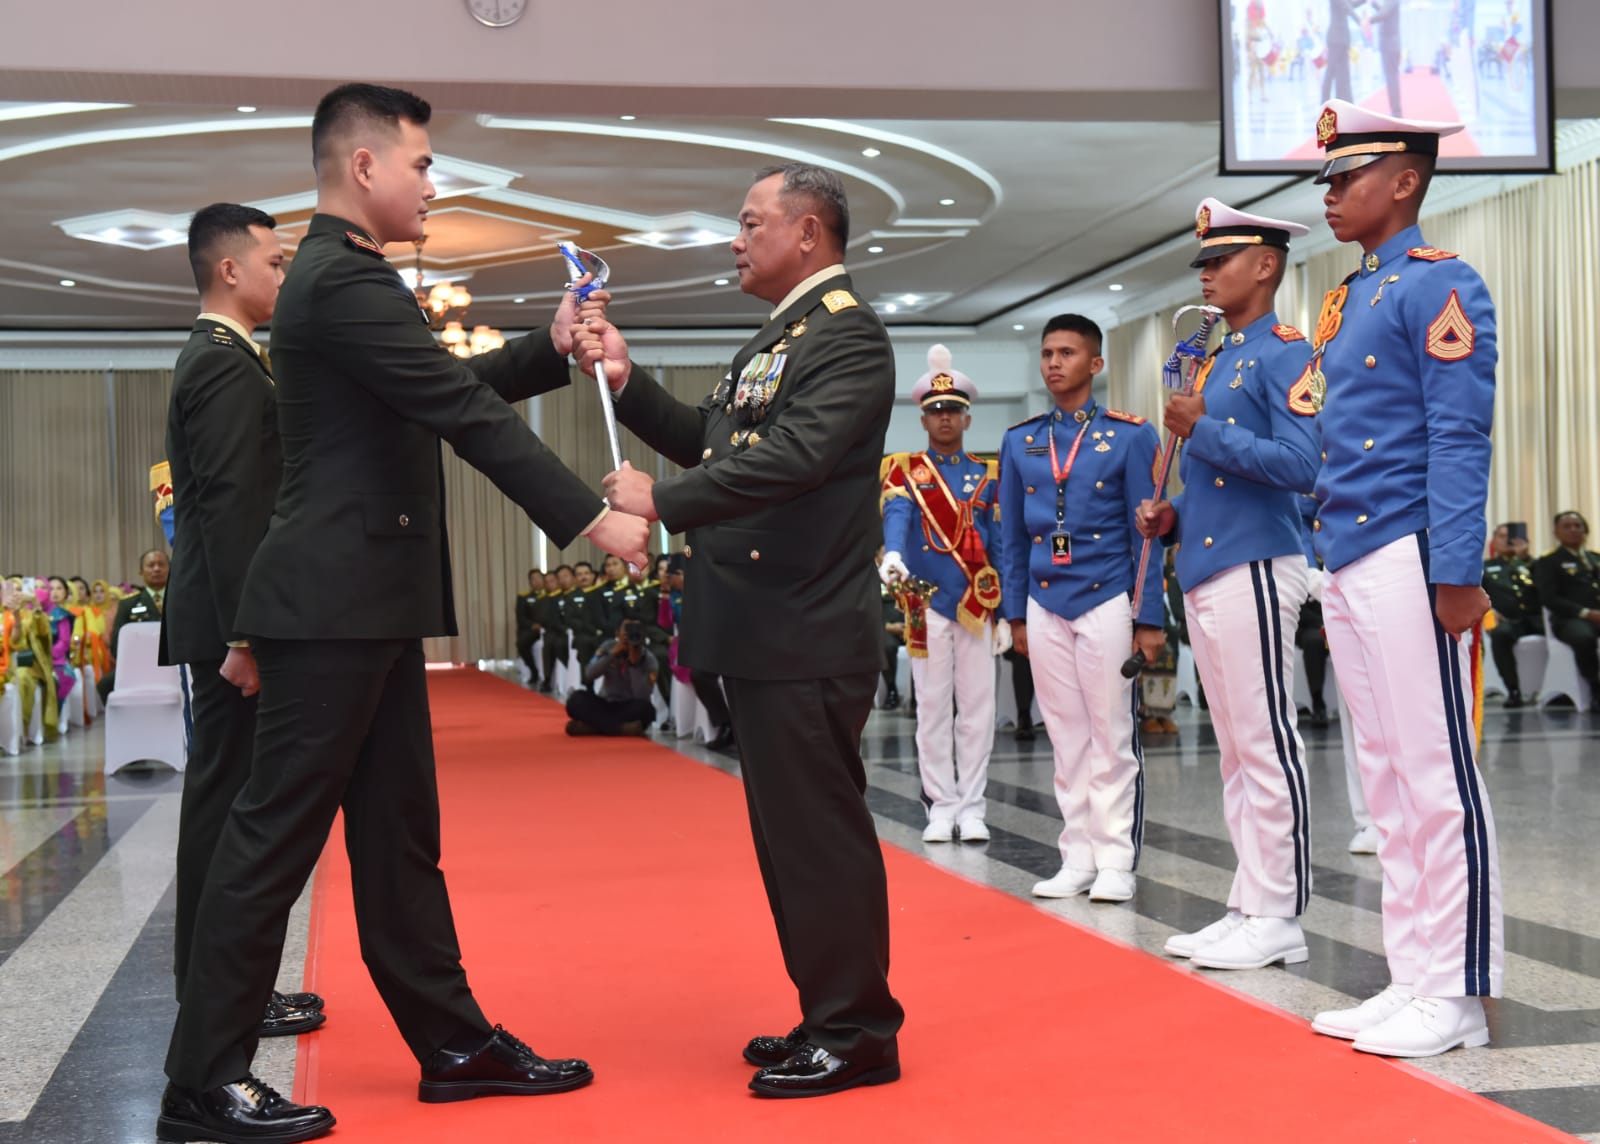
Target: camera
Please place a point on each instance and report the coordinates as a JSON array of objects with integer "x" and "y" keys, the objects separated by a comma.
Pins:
[{"x": 633, "y": 632}]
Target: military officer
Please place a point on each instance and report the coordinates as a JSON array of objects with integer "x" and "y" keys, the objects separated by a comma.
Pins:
[
  {"x": 779, "y": 499},
  {"x": 526, "y": 610},
  {"x": 1248, "y": 453},
  {"x": 1402, "y": 372},
  {"x": 553, "y": 620},
  {"x": 583, "y": 611},
  {"x": 938, "y": 525},
  {"x": 1518, "y": 614},
  {"x": 1071, "y": 479},
  {"x": 1568, "y": 580}
]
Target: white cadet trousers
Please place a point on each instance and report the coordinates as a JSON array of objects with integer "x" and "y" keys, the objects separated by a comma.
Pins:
[
  {"x": 954, "y": 740},
  {"x": 1088, "y": 713},
  {"x": 1408, "y": 687},
  {"x": 1242, "y": 623}
]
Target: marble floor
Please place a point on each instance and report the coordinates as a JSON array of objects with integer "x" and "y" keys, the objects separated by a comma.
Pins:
[{"x": 86, "y": 909}]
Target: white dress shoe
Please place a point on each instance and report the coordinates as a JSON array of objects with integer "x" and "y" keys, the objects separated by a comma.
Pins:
[
  {"x": 1255, "y": 944},
  {"x": 1112, "y": 886},
  {"x": 1066, "y": 884},
  {"x": 1349, "y": 1024},
  {"x": 1184, "y": 944},
  {"x": 1366, "y": 841},
  {"x": 1428, "y": 1026},
  {"x": 939, "y": 830},
  {"x": 973, "y": 830}
]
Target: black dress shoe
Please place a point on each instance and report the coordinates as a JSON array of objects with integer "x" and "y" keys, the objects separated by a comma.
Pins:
[
  {"x": 1023, "y": 733},
  {"x": 1319, "y": 716},
  {"x": 763, "y": 1051},
  {"x": 244, "y": 1112},
  {"x": 722, "y": 740},
  {"x": 891, "y": 700},
  {"x": 1514, "y": 700},
  {"x": 505, "y": 1066},
  {"x": 299, "y": 1000},
  {"x": 817, "y": 1072},
  {"x": 282, "y": 1021}
]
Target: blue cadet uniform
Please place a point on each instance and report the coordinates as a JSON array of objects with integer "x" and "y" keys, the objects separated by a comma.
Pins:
[
  {"x": 1402, "y": 379},
  {"x": 1069, "y": 552},
  {"x": 939, "y": 525},
  {"x": 1241, "y": 561}
]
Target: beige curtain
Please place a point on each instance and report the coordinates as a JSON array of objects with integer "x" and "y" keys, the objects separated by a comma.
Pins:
[{"x": 78, "y": 448}]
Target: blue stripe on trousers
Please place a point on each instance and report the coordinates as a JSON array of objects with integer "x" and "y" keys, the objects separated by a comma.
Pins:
[{"x": 1271, "y": 639}]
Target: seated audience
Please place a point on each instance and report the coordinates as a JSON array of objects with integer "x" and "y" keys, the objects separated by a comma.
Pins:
[
  {"x": 1508, "y": 579},
  {"x": 1568, "y": 583}
]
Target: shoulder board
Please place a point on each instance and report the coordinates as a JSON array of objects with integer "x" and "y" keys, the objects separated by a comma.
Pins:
[
  {"x": 992, "y": 468},
  {"x": 221, "y": 335},
  {"x": 1288, "y": 333},
  {"x": 1431, "y": 253},
  {"x": 891, "y": 462},
  {"x": 359, "y": 241},
  {"x": 1028, "y": 420},
  {"x": 1119, "y": 415},
  {"x": 837, "y": 300}
]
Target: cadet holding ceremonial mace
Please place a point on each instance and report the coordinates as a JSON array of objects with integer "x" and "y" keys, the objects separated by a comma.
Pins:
[
  {"x": 939, "y": 526},
  {"x": 1247, "y": 447},
  {"x": 1403, "y": 376}
]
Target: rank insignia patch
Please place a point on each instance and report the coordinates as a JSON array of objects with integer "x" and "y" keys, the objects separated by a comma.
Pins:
[
  {"x": 1431, "y": 253},
  {"x": 362, "y": 242},
  {"x": 1327, "y": 128},
  {"x": 837, "y": 300},
  {"x": 1451, "y": 334},
  {"x": 1288, "y": 333},
  {"x": 1301, "y": 398}
]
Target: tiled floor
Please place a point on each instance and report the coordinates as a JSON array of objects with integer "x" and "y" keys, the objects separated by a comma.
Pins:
[{"x": 86, "y": 910}]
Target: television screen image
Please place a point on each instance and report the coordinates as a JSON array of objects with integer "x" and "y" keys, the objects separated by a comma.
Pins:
[{"x": 1485, "y": 63}]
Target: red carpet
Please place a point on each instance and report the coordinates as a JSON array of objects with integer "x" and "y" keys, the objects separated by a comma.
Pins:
[{"x": 609, "y": 907}]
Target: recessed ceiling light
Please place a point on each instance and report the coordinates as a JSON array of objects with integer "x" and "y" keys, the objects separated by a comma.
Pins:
[
  {"x": 627, "y": 118},
  {"x": 68, "y": 282},
  {"x": 890, "y": 308},
  {"x": 244, "y": 109},
  {"x": 874, "y": 250},
  {"x": 1017, "y": 326},
  {"x": 909, "y": 299},
  {"x": 1115, "y": 287},
  {"x": 947, "y": 202},
  {"x": 518, "y": 301},
  {"x": 871, "y": 152},
  {"x": 720, "y": 282}
]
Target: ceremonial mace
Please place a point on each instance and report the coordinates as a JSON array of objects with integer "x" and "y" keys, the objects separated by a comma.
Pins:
[{"x": 1174, "y": 375}]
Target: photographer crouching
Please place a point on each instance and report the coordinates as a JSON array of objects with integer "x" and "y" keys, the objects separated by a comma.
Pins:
[{"x": 623, "y": 706}]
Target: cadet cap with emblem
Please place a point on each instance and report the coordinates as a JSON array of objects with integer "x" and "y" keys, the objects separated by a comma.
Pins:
[
  {"x": 942, "y": 388},
  {"x": 1223, "y": 230},
  {"x": 1351, "y": 137}
]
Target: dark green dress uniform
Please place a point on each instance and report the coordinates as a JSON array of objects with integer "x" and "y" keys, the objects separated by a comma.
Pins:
[
  {"x": 892, "y": 643},
  {"x": 353, "y": 573},
  {"x": 1568, "y": 582},
  {"x": 585, "y": 620},
  {"x": 527, "y": 617},
  {"x": 1518, "y": 613},
  {"x": 222, "y": 445},
  {"x": 779, "y": 499},
  {"x": 553, "y": 619}
]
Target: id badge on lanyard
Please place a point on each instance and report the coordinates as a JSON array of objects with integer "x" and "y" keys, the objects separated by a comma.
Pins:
[{"x": 1061, "y": 539}]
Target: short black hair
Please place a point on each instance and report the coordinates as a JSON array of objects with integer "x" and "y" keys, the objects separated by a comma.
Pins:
[
  {"x": 214, "y": 233},
  {"x": 823, "y": 192},
  {"x": 1085, "y": 328},
  {"x": 1571, "y": 512},
  {"x": 152, "y": 552},
  {"x": 559, "y": 568},
  {"x": 583, "y": 564},
  {"x": 355, "y": 105}
]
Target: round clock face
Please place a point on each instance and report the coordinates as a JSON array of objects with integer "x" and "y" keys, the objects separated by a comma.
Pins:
[{"x": 497, "y": 13}]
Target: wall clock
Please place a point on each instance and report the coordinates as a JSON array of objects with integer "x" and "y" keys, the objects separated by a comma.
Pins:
[{"x": 497, "y": 13}]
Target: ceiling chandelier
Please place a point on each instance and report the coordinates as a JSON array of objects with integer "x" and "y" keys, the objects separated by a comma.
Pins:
[{"x": 445, "y": 305}]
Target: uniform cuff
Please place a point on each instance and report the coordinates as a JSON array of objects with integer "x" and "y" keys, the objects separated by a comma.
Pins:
[
  {"x": 239, "y": 643},
  {"x": 588, "y": 528}
]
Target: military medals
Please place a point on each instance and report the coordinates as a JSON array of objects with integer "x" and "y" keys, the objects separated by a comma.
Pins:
[{"x": 758, "y": 384}]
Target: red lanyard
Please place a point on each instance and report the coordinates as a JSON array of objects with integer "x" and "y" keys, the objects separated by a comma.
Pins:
[{"x": 1061, "y": 474}]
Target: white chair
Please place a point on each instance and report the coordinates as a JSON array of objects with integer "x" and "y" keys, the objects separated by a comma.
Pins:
[
  {"x": 1493, "y": 684},
  {"x": 1188, "y": 681},
  {"x": 1561, "y": 677},
  {"x": 75, "y": 703},
  {"x": 689, "y": 718},
  {"x": 91, "y": 697},
  {"x": 1533, "y": 659},
  {"x": 144, "y": 716},
  {"x": 34, "y": 731},
  {"x": 10, "y": 720}
]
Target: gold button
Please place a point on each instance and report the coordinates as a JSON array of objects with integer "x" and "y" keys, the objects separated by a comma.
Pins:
[
  {"x": 1252, "y": 363},
  {"x": 1094, "y": 587},
  {"x": 1044, "y": 583},
  {"x": 1231, "y": 421},
  {"x": 1099, "y": 484},
  {"x": 728, "y": 409},
  {"x": 1038, "y": 540},
  {"x": 755, "y": 554},
  {"x": 687, "y": 552},
  {"x": 1316, "y": 526},
  {"x": 924, "y": 548},
  {"x": 1030, "y": 488},
  {"x": 1219, "y": 482},
  {"x": 1208, "y": 542},
  {"x": 1367, "y": 444},
  {"x": 405, "y": 520},
  {"x": 1096, "y": 536},
  {"x": 1362, "y": 519},
  {"x": 706, "y": 456},
  {"x": 1028, "y": 440},
  {"x": 1371, "y": 361}
]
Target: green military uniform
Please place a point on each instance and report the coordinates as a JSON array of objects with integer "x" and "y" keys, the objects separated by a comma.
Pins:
[
  {"x": 1568, "y": 583},
  {"x": 527, "y": 615},
  {"x": 585, "y": 612},
  {"x": 892, "y": 643},
  {"x": 557, "y": 639},
  {"x": 1518, "y": 613}
]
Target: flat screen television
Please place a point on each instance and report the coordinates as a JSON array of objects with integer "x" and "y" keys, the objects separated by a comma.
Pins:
[{"x": 1485, "y": 63}]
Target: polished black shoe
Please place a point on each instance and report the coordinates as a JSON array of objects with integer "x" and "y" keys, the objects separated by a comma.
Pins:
[
  {"x": 504, "y": 1067},
  {"x": 282, "y": 1021},
  {"x": 891, "y": 700},
  {"x": 1514, "y": 700},
  {"x": 722, "y": 740},
  {"x": 817, "y": 1072},
  {"x": 299, "y": 1000},
  {"x": 244, "y": 1112},
  {"x": 764, "y": 1051},
  {"x": 1319, "y": 716},
  {"x": 1023, "y": 734}
]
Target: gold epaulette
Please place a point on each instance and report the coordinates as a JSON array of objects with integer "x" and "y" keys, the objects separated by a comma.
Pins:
[
  {"x": 889, "y": 462},
  {"x": 1288, "y": 333},
  {"x": 1431, "y": 253},
  {"x": 1123, "y": 415}
]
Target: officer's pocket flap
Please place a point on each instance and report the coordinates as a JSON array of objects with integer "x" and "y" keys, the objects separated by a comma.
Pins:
[
  {"x": 763, "y": 547},
  {"x": 398, "y": 514}
]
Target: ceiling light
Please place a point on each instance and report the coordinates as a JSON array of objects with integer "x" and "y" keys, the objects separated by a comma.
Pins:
[
  {"x": 681, "y": 232},
  {"x": 874, "y": 250},
  {"x": 890, "y": 308},
  {"x": 910, "y": 299},
  {"x": 871, "y": 152},
  {"x": 1115, "y": 287},
  {"x": 68, "y": 282},
  {"x": 518, "y": 301},
  {"x": 244, "y": 109},
  {"x": 1018, "y": 326},
  {"x": 947, "y": 202},
  {"x": 720, "y": 282},
  {"x": 627, "y": 118}
]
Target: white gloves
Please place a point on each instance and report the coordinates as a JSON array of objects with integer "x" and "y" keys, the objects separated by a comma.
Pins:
[
  {"x": 893, "y": 568},
  {"x": 1002, "y": 636},
  {"x": 1314, "y": 582}
]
